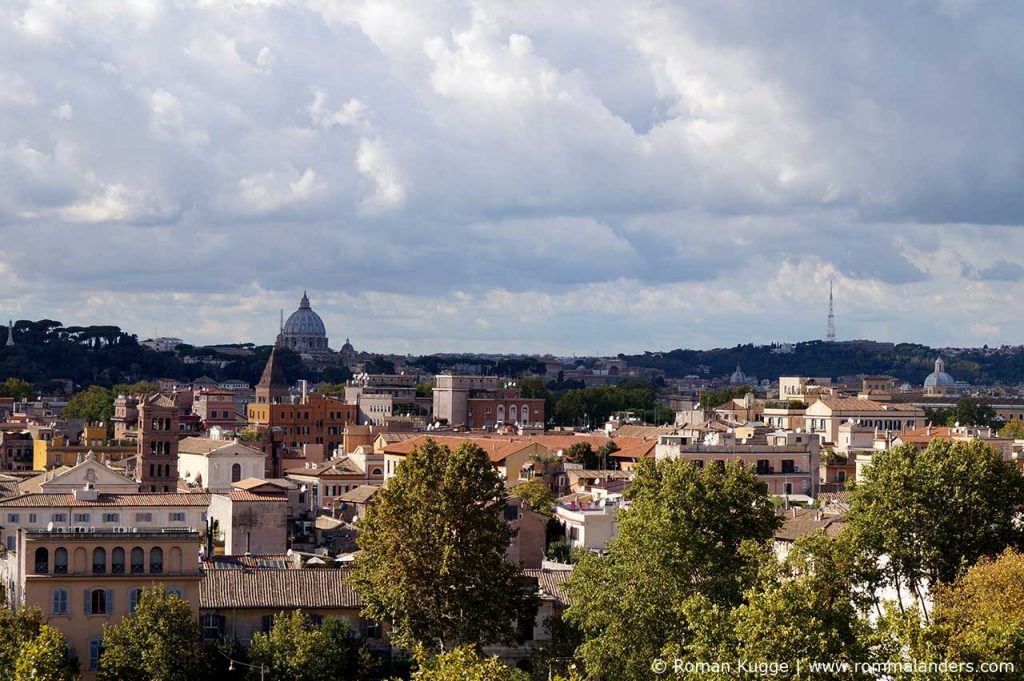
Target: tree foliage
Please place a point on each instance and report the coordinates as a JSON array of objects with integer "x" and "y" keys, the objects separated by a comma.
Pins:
[
  {"x": 1014, "y": 429},
  {"x": 979, "y": 617},
  {"x": 17, "y": 630},
  {"x": 934, "y": 512},
  {"x": 159, "y": 642},
  {"x": 95, "y": 404},
  {"x": 581, "y": 453},
  {"x": 537, "y": 496},
  {"x": 689, "y": 533},
  {"x": 45, "y": 658},
  {"x": 295, "y": 649},
  {"x": 464, "y": 663},
  {"x": 433, "y": 561},
  {"x": 714, "y": 398},
  {"x": 17, "y": 388},
  {"x": 593, "y": 406}
]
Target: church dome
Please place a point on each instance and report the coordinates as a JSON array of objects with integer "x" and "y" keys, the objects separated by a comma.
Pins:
[
  {"x": 738, "y": 376},
  {"x": 939, "y": 378},
  {"x": 304, "y": 321}
]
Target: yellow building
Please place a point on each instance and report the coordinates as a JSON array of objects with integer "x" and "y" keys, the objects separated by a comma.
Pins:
[{"x": 47, "y": 455}]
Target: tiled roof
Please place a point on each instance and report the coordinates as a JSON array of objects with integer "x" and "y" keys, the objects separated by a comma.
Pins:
[
  {"x": 244, "y": 495},
  {"x": 800, "y": 522},
  {"x": 156, "y": 499},
  {"x": 251, "y": 561},
  {"x": 857, "y": 404},
  {"x": 205, "y": 445},
  {"x": 635, "y": 430},
  {"x": 342, "y": 466},
  {"x": 359, "y": 495},
  {"x": 285, "y": 589},
  {"x": 498, "y": 449},
  {"x": 551, "y": 583}
]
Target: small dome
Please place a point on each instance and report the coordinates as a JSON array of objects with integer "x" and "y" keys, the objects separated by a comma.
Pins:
[
  {"x": 304, "y": 322},
  {"x": 939, "y": 377}
]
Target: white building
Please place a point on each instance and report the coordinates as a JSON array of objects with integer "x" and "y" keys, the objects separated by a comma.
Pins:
[{"x": 216, "y": 464}]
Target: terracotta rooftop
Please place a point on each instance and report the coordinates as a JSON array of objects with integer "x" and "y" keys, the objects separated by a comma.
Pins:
[
  {"x": 551, "y": 583},
  {"x": 498, "y": 449},
  {"x": 68, "y": 500},
  {"x": 307, "y": 588},
  {"x": 800, "y": 522},
  {"x": 205, "y": 445},
  {"x": 857, "y": 404},
  {"x": 243, "y": 495},
  {"x": 359, "y": 495}
]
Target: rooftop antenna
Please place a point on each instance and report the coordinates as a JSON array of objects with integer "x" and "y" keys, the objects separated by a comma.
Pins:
[
  {"x": 830, "y": 334},
  {"x": 281, "y": 329}
]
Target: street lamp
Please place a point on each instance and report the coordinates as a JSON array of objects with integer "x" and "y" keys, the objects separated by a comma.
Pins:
[{"x": 233, "y": 662}]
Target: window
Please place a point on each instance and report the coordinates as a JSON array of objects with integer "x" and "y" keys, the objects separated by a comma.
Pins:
[
  {"x": 81, "y": 517},
  {"x": 175, "y": 591},
  {"x": 59, "y": 602},
  {"x": 763, "y": 466},
  {"x": 117, "y": 561},
  {"x": 42, "y": 560},
  {"x": 99, "y": 601},
  {"x": 511, "y": 513},
  {"x": 95, "y": 650},
  {"x": 111, "y": 517},
  {"x": 10, "y": 542},
  {"x": 12, "y": 517},
  {"x": 177, "y": 517},
  {"x": 143, "y": 517},
  {"x": 138, "y": 561},
  {"x": 60, "y": 561},
  {"x": 787, "y": 466},
  {"x": 236, "y": 472},
  {"x": 156, "y": 560},
  {"x": 372, "y": 628},
  {"x": 211, "y": 627},
  {"x": 32, "y": 518},
  {"x": 58, "y": 517},
  {"x": 133, "y": 600},
  {"x": 841, "y": 476},
  {"x": 99, "y": 560},
  {"x": 266, "y": 623}
]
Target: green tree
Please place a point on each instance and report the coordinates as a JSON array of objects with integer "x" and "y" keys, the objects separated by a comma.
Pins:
[
  {"x": 690, "y": 532},
  {"x": 934, "y": 512},
  {"x": 424, "y": 389},
  {"x": 978, "y": 617},
  {"x": 137, "y": 388},
  {"x": 17, "y": 629},
  {"x": 45, "y": 658},
  {"x": 17, "y": 388},
  {"x": 972, "y": 412},
  {"x": 160, "y": 642},
  {"x": 292, "y": 649},
  {"x": 433, "y": 561},
  {"x": 332, "y": 389},
  {"x": 714, "y": 398},
  {"x": 1014, "y": 429},
  {"x": 537, "y": 496},
  {"x": 464, "y": 663},
  {"x": 94, "y": 404},
  {"x": 581, "y": 453},
  {"x": 604, "y": 454}
]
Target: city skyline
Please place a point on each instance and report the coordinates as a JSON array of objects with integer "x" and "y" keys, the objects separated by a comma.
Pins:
[{"x": 501, "y": 177}]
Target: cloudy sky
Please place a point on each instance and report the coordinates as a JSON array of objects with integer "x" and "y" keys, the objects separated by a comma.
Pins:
[{"x": 516, "y": 176}]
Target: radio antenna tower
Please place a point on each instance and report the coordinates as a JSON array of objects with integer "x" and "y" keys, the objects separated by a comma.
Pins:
[{"x": 830, "y": 334}]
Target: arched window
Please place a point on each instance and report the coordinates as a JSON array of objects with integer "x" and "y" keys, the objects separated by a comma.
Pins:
[
  {"x": 60, "y": 602},
  {"x": 60, "y": 561},
  {"x": 513, "y": 413},
  {"x": 501, "y": 412},
  {"x": 236, "y": 472},
  {"x": 117, "y": 561},
  {"x": 42, "y": 560},
  {"x": 156, "y": 560},
  {"x": 99, "y": 560},
  {"x": 524, "y": 413},
  {"x": 138, "y": 561},
  {"x": 133, "y": 600}
]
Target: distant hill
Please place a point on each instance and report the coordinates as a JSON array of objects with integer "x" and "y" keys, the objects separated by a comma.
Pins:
[
  {"x": 905, "y": 361},
  {"x": 46, "y": 350}
]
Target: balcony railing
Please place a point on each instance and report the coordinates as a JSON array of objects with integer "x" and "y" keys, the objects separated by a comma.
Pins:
[{"x": 42, "y": 568}]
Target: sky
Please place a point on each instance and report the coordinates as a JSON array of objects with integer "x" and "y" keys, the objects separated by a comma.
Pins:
[{"x": 573, "y": 177}]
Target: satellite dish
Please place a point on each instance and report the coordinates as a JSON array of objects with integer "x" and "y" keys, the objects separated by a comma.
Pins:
[
  {"x": 288, "y": 552},
  {"x": 49, "y": 527}
]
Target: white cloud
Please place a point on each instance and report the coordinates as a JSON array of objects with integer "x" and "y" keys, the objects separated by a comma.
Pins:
[{"x": 373, "y": 162}]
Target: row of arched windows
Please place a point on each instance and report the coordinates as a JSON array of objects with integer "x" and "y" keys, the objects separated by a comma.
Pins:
[
  {"x": 514, "y": 413},
  {"x": 100, "y": 565}
]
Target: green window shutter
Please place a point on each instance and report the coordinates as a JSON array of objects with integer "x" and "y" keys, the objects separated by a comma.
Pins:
[{"x": 110, "y": 601}]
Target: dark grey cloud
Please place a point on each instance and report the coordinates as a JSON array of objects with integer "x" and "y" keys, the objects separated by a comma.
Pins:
[{"x": 590, "y": 175}]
